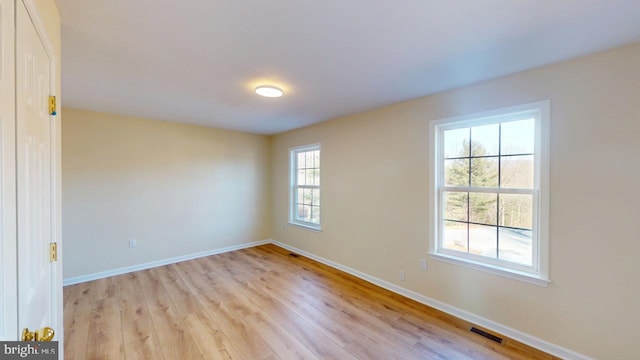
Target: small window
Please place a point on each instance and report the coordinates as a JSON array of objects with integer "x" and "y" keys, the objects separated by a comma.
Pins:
[
  {"x": 304, "y": 208},
  {"x": 490, "y": 191}
]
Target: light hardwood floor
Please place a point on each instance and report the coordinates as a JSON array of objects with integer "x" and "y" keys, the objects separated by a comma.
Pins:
[{"x": 261, "y": 303}]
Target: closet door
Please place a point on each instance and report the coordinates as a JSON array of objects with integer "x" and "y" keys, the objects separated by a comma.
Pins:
[
  {"x": 8, "y": 295},
  {"x": 31, "y": 285},
  {"x": 37, "y": 288}
]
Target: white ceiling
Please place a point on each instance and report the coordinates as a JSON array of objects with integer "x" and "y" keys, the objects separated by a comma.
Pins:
[{"x": 197, "y": 61}]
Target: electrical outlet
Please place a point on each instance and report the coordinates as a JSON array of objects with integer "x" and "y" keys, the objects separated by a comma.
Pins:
[
  {"x": 402, "y": 275},
  {"x": 423, "y": 264},
  {"x": 133, "y": 243}
]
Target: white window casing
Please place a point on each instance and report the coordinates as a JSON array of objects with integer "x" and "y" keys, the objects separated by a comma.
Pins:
[
  {"x": 304, "y": 184},
  {"x": 521, "y": 251}
]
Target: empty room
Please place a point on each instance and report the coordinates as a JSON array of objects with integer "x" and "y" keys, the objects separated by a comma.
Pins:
[{"x": 321, "y": 180}]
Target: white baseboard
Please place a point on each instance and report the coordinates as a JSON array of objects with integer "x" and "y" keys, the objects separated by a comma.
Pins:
[
  {"x": 451, "y": 310},
  {"x": 152, "y": 264}
]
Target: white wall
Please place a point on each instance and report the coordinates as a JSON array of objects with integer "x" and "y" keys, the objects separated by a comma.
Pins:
[
  {"x": 375, "y": 202},
  {"x": 177, "y": 189}
]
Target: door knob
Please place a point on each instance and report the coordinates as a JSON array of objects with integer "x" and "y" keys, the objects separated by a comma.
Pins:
[{"x": 44, "y": 334}]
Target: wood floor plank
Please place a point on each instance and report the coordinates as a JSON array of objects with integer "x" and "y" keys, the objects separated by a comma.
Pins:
[
  {"x": 228, "y": 291},
  {"x": 205, "y": 331},
  {"x": 373, "y": 326},
  {"x": 300, "y": 303},
  {"x": 243, "y": 338},
  {"x": 262, "y": 303},
  {"x": 283, "y": 344},
  {"x": 295, "y": 301},
  {"x": 336, "y": 331},
  {"x": 268, "y": 314},
  {"x": 316, "y": 340},
  {"x": 434, "y": 349},
  {"x": 78, "y": 301},
  {"x": 105, "y": 339},
  {"x": 385, "y": 300},
  {"x": 175, "y": 340},
  {"x": 207, "y": 335},
  {"x": 363, "y": 348},
  {"x": 322, "y": 277},
  {"x": 344, "y": 309},
  {"x": 140, "y": 338},
  {"x": 242, "y": 284}
]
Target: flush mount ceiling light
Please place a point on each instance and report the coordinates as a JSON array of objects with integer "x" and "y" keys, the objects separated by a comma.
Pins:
[{"x": 269, "y": 91}]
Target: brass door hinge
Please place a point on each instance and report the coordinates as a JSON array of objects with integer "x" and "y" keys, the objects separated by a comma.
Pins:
[
  {"x": 52, "y": 105},
  {"x": 53, "y": 252}
]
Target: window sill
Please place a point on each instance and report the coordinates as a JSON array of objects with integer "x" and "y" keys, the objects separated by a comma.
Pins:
[
  {"x": 306, "y": 227},
  {"x": 510, "y": 274}
]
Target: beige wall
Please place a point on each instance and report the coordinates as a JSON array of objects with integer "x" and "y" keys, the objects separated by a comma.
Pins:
[
  {"x": 375, "y": 202},
  {"x": 178, "y": 189}
]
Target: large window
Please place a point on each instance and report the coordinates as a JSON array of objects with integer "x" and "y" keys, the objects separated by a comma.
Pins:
[
  {"x": 490, "y": 191},
  {"x": 304, "y": 208}
]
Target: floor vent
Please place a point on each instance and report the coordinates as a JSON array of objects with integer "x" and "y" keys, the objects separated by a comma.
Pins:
[
  {"x": 486, "y": 334},
  {"x": 294, "y": 255}
]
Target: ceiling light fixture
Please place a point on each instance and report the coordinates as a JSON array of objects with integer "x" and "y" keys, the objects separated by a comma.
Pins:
[{"x": 269, "y": 91}]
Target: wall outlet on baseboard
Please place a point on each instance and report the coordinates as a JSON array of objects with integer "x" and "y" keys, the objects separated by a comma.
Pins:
[
  {"x": 402, "y": 275},
  {"x": 133, "y": 243}
]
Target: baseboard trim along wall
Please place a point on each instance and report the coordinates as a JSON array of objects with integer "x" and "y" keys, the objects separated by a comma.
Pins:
[
  {"x": 451, "y": 310},
  {"x": 152, "y": 264}
]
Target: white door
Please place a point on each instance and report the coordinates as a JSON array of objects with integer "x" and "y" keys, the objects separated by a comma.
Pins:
[
  {"x": 8, "y": 295},
  {"x": 37, "y": 288}
]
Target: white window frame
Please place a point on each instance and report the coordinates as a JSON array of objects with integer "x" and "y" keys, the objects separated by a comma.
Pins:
[
  {"x": 537, "y": 274},
  {"x": 293, "y": 186}
]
